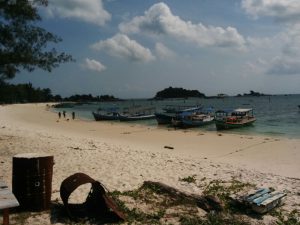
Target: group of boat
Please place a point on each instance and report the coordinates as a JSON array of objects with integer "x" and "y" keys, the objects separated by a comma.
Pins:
[{"x": 183, "y": 116}]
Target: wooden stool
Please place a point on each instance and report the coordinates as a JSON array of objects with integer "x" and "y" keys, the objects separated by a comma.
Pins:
[{"x": 7, "y": 201}]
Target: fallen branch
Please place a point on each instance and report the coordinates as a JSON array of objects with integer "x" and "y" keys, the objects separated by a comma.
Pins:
[{"x": 207, "y": 203}]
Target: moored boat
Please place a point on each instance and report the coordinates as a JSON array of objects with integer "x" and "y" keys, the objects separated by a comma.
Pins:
[
  {"x": 197, "y": 118},
  {"x": 107, "y": 114},
  {"x": 228, "y": 119},
  {"x": 164, "y": 118},
  {"x": 139, "y": 113},
  {"x": 178, "y": 108},
  {"x": 135, "y": 117},
  {"x": 167, "y": 116}
]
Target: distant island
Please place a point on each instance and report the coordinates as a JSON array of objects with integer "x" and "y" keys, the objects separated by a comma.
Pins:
[
  {"x": 171, "y": 92},
  {"x": 91, "y": 98},
  {"x": 252, "y": 93}
]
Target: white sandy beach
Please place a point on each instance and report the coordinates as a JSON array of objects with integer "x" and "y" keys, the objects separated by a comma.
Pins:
[{"x": 122, "y": 156}]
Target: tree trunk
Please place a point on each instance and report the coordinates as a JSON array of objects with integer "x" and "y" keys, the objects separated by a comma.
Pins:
[{"x": 207, "y": 203}]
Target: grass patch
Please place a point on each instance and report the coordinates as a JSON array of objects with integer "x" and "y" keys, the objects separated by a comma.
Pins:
[
  {"x": 292, "y": 218},
  {"x": 189, "y": 179},
  {"x": 161, "y": 207},
  {"x": 224, "y": 189}
]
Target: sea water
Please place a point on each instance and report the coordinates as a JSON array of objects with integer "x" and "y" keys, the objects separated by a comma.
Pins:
[{"x": 276, "y": 115}]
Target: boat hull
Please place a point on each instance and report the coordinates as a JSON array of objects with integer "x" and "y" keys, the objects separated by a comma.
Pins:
[
  {"x": 136, "y": 118},
  {"x": 101, "y": 117},
  {"x": 163, "y": 118},
  {"x": 191, "y": 123},
  {"x": 224, "y": 125}
]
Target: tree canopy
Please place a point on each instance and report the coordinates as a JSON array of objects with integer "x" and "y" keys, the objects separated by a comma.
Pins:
[
  {"x": 23, "y": 93},
  {"x": 178, "y": 93},
  {"x": 23, "y": 44}
]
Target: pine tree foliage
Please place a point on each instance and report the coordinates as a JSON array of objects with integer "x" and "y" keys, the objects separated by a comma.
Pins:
[{"x": 23, "y": 44}]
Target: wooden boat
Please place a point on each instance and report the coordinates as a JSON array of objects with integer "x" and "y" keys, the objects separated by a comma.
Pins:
[
  {"x": 228, "y": 119},
  {"x": 178, "y": 108},
  {"x": 166, "y": 117},
  {"x": 109, "y": 116},
  {"x": 135, "y": 117},
  {"x": 106, "y": 114},
  {"x": 197, "y": 118},
  {"x": 137, "y": 113}
]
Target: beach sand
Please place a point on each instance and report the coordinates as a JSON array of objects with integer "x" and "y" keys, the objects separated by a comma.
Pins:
[{"x": 122, "y": 156}]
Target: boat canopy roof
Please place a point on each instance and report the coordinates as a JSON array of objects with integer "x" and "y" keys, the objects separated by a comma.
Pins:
[
  {"x": 243, "y": 110},
  {"x": 197, "y": 110},
  {"x": 224, "y": 111}
]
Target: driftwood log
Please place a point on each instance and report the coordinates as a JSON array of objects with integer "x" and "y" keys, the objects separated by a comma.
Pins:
[{"x": 205, "y": 202}]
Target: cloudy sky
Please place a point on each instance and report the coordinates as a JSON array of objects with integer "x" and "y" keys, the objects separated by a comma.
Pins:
[{"x": 134, "y": 48}]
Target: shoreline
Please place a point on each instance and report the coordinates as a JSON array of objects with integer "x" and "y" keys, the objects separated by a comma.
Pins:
[
  {"x": 263, "y": 153},
  {"x": 123, "y": 156}
]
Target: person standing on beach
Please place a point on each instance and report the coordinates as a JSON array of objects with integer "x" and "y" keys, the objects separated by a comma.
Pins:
[
  {"x": 64, "y": 113},
  {"x": 73, "y": 115},
  {"x": 59, "y": 115}
]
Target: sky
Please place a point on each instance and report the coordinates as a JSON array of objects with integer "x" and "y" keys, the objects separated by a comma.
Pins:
[{"x": 134, "y": 48}]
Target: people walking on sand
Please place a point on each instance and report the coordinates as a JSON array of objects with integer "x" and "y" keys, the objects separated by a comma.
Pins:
[
  {"x": 73, "y": 115},
  {"x": 64, "y": 113},
  {"x": 59, "y": 115}
]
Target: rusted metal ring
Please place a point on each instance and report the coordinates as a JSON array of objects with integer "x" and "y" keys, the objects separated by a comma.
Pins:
[{"x": 71, "y": 183}]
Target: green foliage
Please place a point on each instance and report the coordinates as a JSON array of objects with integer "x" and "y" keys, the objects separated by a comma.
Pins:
[
  {"x": 23, "y": 93},
  {"x": 213, "y": 219},
  {"x": 24, "y": 44},
  {"x": 189, "y": 179},
  {"x": 224, "y": 189},
  {"x": 190, "y": 220},
  {"x": 90, "y": 98},
  {"x": 292, "y": 218},
  {"x": 162, "y": 205},
  {"x": 178, "y": 93}
]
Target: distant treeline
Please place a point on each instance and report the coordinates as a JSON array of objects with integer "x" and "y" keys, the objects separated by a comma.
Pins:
[
  {"x": 171, "y": 92},
  {"x": 91, "y": 98},
  {"x": 25, "y": 93}
]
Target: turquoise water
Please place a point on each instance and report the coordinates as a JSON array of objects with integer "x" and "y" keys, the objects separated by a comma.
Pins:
[{"x": 276, "y": 115}]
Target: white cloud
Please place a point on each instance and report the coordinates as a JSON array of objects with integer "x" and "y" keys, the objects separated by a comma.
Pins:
[
  {"x": 281, "y": 10},
  {"x": 263, "y": 42},
  {"x": 159, "y": 20},
  {"x": 93, "y": 65},
  {"x": 280, "y": 65},
  {"x": 163, "y": 52},
  {"x": 122, "y": 46},
  {"x": 90, "y": 11},
  {"x": 256, "y": 67},
  {"x": 291, "y": 41},
  {"x": 284, "y": 66}
]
